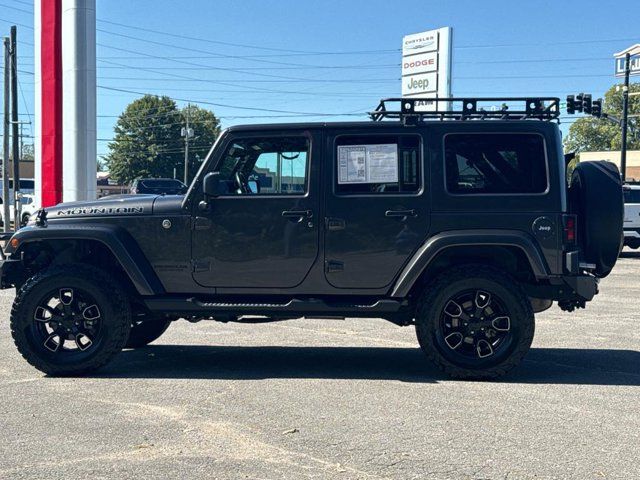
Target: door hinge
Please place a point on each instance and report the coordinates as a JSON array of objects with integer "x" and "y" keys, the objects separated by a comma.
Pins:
[
  {"x": 200, "y": 266},
  {"x": 334, "y": 266}
]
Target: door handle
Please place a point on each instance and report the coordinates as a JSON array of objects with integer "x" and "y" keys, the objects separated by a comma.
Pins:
[
  {"x": 297, "y": 215},
  {"x": 400, "y": 213}
]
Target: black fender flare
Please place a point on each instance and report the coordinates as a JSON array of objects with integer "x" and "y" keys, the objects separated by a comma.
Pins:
[
  {"x": 458, "y": 238},
  {"x": 121, "y": 244}
]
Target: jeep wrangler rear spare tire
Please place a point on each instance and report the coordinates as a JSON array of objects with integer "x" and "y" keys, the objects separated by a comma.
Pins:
[
  {"x": 475, "y": 322},
  {"x": 70, "y": 319},
  {"x": 595, "y": 196},
  {"x": 146, "y": 331}
]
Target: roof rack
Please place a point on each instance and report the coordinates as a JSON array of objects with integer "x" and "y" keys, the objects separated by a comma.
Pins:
[{"x": 413, "y": 110}]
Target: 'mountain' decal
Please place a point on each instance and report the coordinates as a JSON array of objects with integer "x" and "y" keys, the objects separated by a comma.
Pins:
[{"x": 99, "y": 210}]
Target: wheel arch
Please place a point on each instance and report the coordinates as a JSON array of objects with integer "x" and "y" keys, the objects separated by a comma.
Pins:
[
  {"x": 106, "y": 245},
  {"x": 512, "y": 251}
]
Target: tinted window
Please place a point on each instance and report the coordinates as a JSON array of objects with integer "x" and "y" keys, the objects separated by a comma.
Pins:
[
  {"x": 266, "y": 166},
  {"x": 377, "y": 164},
  {"x": 495, "y": 163},
  {"x": 631, "y": 196}
]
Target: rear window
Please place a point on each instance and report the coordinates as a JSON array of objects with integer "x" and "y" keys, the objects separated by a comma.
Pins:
[
  {"x": 631, "y": 196},
  {"x": 495, "y": 163}
]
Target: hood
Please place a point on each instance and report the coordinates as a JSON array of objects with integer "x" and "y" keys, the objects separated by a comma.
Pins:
[{"x": 116, "y": 205}]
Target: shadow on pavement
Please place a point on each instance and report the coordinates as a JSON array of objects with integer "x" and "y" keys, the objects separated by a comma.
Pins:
[{"x": 542, "y": 365}]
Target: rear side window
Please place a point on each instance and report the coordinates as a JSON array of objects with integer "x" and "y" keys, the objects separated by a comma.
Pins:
[
  {"x": 495, "y": 163},
  {"x": 377, "y": 164}
]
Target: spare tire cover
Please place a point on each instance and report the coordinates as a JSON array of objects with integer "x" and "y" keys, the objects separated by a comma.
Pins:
[{"x": 595, "y": 196}]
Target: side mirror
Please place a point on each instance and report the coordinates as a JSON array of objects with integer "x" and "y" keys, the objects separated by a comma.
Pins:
[{"x": 211, "y": 184}]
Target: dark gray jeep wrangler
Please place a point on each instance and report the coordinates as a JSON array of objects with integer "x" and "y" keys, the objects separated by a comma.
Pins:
[{"x": 450, "y": 217}]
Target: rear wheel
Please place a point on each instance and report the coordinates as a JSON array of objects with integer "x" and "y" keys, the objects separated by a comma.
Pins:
[
  {"x": 475, "y": 322},
  {"x": 143, "y": 332},
  {"x": 70, "y": 320}
]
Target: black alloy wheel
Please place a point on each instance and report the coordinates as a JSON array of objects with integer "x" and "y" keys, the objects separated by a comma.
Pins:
[
  {"x": 474, "y": 325},
  {"x": 67, "y": 323},
  {"x": 70, "y": 319},
  {"x": 475, "y": 322}
]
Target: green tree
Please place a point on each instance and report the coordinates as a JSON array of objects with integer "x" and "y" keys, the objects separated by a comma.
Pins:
[
  {"x": 595, "y": 134},
  {"x": 148, "y": 141}
]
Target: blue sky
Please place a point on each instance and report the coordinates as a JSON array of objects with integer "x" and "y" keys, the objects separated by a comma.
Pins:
[{"x": 333, "y": 57}]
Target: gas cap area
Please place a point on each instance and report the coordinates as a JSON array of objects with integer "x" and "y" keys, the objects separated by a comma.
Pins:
[{"x": 543, "y": 228}]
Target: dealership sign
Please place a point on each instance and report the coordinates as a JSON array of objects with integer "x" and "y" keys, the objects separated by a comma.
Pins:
[
  {"x": 634, "y": 61},
  {"x": 426, "y": 65}
]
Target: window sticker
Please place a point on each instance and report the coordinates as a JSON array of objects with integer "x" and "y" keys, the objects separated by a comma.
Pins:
[{"x": 368, "y": 163}]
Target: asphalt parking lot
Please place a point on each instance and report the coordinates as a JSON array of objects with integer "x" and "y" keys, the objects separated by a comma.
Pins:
[{"x": 335, "y": 399}]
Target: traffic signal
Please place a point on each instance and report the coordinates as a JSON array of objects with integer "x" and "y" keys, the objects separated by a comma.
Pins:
[
  {"x": 596, "y": 108},
  {"x": 571, "y": 104},
  {"x": 579, "y": 100},
  {"x": 586, "y": 103}
]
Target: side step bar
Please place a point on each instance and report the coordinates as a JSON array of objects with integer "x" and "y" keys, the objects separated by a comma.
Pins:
[{"x": 301, "y": 307}]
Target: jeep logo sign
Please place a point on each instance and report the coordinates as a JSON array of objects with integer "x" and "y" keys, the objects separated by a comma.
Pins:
[{"x": 426, "y": 66}]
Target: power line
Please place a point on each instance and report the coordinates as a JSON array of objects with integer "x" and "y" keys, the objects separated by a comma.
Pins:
[
  {"x": 225, "y": 105},
  {"x": 218, "y": 42}
]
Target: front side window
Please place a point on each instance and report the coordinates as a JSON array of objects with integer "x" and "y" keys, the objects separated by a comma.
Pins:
[
  {"x": 266, "y": 166},
  {"x": 495, "y": 163},
  {"x": 377, "y": 164}
]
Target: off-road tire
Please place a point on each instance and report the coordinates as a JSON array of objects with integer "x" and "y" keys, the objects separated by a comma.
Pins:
[
  {"x": 437, "y": 294},
  {"x": 110, "y": 298},
  {"x": 145, "y": 332}
]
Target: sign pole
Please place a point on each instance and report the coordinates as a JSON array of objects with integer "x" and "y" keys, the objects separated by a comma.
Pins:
[
  {"x": 625, "y": 116},
  {"x": 5, "y": 143},
  {"x": 15, "y": 140}
]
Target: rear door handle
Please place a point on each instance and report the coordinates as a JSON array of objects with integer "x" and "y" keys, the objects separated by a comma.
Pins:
[
  {"x": 400, "y": 213},
  {"x": 297, "y": 215}
]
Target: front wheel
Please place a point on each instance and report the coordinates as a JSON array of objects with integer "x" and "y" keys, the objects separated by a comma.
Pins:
[
  {"x": 475, "y": 322},
  {"x": 70, "y": 320}
]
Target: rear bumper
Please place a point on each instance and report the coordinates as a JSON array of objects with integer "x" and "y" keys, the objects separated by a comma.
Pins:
[
  {"x": 577, "y": 289},
  {"x": 584, "y": 287}
]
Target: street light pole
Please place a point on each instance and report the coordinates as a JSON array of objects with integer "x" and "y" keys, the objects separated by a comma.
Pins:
[
  {"x": 187, "y": 133},
  {"x": 625, "y": 116}
]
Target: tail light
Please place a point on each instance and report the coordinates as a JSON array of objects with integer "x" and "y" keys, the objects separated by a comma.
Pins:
[{"x": 570, "y": 229}]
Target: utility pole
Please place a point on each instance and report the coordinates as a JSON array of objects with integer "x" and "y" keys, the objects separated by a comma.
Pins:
[
  {"x": 187, "y": 133},
  {"x": 625, "y": 116},
  {"x": 5, "y": 139},
  {"x": 15, "y": 141}
]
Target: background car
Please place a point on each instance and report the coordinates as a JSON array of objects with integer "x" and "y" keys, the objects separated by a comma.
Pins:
[
  {"x": 28, "y": 208},
  {"x": 632, "y": 215},
  {"x": 167, "y": 186}
]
